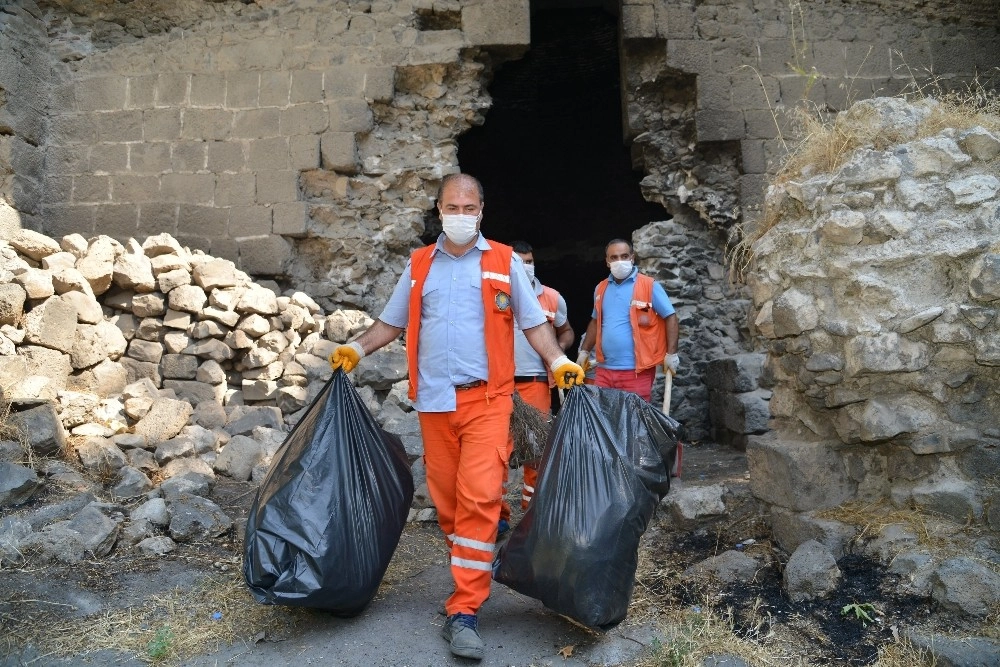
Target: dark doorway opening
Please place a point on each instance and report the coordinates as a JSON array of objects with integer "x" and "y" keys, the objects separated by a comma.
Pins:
[{"x": 554, "y": 167}]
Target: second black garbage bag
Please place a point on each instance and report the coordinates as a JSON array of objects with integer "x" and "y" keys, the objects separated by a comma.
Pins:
[
  {"x": 605, "y": 468},
  {"x": 330, "y": 512}
]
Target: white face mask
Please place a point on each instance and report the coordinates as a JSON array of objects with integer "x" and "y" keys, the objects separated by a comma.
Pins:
[
  {"x": 621, "y": 269},
  {"x": 460, "y": 229},
  {"x": 530, "y": 270}
]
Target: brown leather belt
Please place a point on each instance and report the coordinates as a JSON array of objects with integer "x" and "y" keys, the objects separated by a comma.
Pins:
[
  {"x": 531, "y": 378},
  {"x": 471, "y": 385}
]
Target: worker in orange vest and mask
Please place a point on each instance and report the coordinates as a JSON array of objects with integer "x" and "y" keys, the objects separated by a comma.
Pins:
[
  {"x": 633, "y": 327},
  {"x": 458, "y": 300},
  {"x": 532, "y": 379}
]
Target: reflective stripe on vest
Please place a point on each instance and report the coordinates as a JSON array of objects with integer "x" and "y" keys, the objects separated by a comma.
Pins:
[{"x": 502, "y": 277}]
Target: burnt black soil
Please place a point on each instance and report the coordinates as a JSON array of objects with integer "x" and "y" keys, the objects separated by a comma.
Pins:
[{"x": 821, "y": 628}]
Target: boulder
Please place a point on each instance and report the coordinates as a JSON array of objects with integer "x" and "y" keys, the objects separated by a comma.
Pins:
[
  {"x": 39, "y": 425},
  {"x": 131, "y": 483},
  {"x": 195, "y": 518},
  {"x": 52, "y": 324},
  {"x": 966, "y": 586},
  {"x": 728, "y": 567},
  {"x": 811, "y": 572},
  {"x": 12, "y": 297},
  {"x": 17, "y": 484},
  {"x": 100, "y": 455},
  {"x": 95, "y": 343},
  {"x": 165, "y": 419},
  {"x": 238, "y": 457}
]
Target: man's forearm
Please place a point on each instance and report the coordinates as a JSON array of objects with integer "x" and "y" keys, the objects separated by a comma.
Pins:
[
  {"x": 565, "y": 336},
  {"x": 377, "y": 336},
  {"x": 590, "y": 337},
  {"x": 672, "y": 329}
]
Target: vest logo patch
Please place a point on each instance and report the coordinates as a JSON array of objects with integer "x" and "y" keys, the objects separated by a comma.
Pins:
[{"x": 502, "y": 300}]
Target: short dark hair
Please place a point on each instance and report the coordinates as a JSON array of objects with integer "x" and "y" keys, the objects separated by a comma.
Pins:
[
  {"x": 466, "y": 178},
  {"x": 522, "y": 247},
  {"x": 614, "y": 241}
]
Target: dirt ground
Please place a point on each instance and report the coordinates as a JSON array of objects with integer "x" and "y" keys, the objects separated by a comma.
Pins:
[{"x": 125, "y": 609}]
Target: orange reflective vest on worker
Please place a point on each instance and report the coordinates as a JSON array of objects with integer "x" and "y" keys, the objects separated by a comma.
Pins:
[
  {"x": 649, "y": 331},
  {"x": 498, "y": 323}
]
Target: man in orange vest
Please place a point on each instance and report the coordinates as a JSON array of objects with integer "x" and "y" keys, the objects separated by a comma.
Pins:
[
  {"x": 633, "y": 327},
  {"x": 458, "y": 300},
  {"x": 532, "y": 379}
]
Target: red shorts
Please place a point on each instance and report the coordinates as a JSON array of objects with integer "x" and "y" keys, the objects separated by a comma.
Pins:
[{"x": 638, "y": 383}]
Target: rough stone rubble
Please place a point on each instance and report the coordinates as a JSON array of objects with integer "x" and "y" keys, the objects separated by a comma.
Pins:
[{"x": 157, "y": 368}]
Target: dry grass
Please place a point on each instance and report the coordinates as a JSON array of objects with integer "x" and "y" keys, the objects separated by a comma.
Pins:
[
  {"x": 9, "y": 432},
  {"x": 530, "y": 429},
  {"x": 934, "y": 532},
  {"x": 691, "y": 635},
  {"x": 825, "y": 142},
  {"x": 160, "y": 629}
]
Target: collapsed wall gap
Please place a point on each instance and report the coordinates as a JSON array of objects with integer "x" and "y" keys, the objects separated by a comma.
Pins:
[{"x": 551, "y": 157}]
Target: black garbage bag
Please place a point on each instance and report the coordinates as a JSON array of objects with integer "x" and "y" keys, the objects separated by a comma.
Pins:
[
  {"x": 329, "y": 513},
  {"x": 605, "y": 468}
]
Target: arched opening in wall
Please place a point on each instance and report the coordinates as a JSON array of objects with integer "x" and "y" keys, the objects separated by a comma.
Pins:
[{"x": 551, "y": 156}]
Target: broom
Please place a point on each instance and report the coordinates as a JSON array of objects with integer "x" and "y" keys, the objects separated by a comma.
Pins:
[{"x": 530, "y": 430}]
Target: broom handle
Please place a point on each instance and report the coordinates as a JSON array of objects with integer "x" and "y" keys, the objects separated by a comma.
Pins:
[{"x": 667, "y": 386}]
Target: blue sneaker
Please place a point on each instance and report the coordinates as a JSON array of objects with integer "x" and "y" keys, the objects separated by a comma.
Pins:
[
  {"x": 502, "y": 527},
  {"x": 461, "y": 632}
]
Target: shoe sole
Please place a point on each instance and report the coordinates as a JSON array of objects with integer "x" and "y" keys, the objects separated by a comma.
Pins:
[{"x": 475, "y": 654}]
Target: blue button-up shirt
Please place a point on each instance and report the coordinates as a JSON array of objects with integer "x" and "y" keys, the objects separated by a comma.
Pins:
[
  {"x": 451, "y": 349},
  {"x": 616, "y": 325}
]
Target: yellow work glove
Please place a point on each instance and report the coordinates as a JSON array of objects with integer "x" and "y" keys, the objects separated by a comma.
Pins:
[
  {"x": 671, "y": 363},
  {"x": 583, "y": 361},
  {"x": 346, "y": 356},
  {"x": 566, "y": 372}
]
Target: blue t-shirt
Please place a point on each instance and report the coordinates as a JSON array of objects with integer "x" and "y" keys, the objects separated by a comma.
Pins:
[{"x": 616, "y": 326}]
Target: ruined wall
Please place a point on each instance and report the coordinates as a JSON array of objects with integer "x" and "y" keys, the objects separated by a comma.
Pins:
[
  {"x": 24, "y": 83},
  {"x": 728, "y": 70},
  {"x": 706, "y": 87},
  {"x": 877, "y": 291},
  {"x": 299, "y": 139}
]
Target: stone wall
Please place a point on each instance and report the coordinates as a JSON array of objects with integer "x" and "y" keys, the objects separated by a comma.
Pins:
[
  {"x": 305, "y": 140},
  {"x": 876, "y": 292},
  {"x": 706, "y": 87},
  {"x": 298, "y": 139},
  {"x": 24, "y": 86},
  {"x": 727, "y": 70}
]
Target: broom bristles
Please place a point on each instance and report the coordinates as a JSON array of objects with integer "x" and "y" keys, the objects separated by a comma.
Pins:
[{"x": 530, "y": 430}]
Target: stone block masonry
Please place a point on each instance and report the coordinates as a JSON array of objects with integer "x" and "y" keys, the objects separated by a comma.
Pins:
[
  {"x": 205, "y": 133},
  {"x": 752, "y": 62}
]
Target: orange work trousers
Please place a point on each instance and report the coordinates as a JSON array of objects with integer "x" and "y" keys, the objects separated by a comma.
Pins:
[
  {"x": 538, "y": 395},
  {"x": 465, "y": 455}
]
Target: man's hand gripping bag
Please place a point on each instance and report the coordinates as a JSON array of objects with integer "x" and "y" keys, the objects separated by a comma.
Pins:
[
  {"x": 605, "y": 468},
  {"x": 329, "y": 513}
]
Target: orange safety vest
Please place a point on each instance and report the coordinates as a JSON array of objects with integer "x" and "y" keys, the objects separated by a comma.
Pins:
[
  {"x": 549, "y": 301},
  {"x": 498, "y": 325},
  {"x": 649, "y": 330}
]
